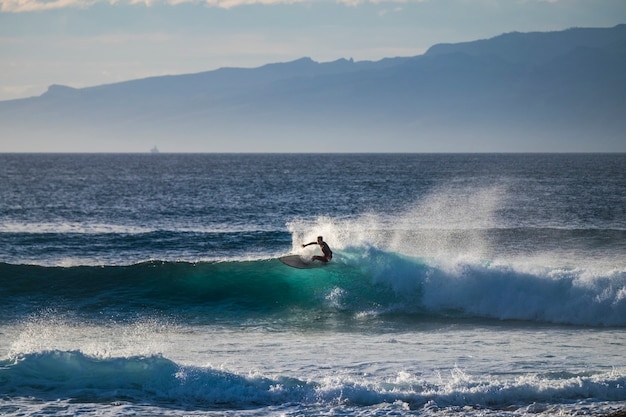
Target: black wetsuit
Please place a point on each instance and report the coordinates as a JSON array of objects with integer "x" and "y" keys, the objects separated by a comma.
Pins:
[{"x": 327, "y": 252}]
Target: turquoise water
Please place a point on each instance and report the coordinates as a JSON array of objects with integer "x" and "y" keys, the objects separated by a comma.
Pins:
[{"x": 461, "y": 285}]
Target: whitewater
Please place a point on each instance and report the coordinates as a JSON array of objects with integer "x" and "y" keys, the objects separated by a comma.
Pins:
[{"x": 461, "y": 285}]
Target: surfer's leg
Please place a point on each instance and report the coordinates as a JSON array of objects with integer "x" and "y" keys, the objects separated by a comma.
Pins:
[{"x": 319, "y": 258}]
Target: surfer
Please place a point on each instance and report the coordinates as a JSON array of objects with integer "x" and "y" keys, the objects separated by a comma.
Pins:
[{"x": 328, "y": 254}]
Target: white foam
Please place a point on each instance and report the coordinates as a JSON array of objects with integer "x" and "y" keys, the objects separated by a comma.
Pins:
[
  {"x": 70, "y": 228},
  {"x": 95, "y": 228},
  {"x": 453, "y": 226},
  {"x": 50, "y": 331},
  {"x": 500, "y": 291},
  {"x": 444, "y": 223}
]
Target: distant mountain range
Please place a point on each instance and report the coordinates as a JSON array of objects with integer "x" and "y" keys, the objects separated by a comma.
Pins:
[{"x": 550, "y": 91}]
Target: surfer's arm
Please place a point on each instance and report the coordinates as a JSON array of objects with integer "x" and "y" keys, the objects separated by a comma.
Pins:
[{"x": 307, "y": 244}]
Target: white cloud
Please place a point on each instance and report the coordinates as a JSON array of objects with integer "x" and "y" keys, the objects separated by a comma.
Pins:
[
  {"x": 359, "y": 2},
  {"x": 227, "y": 4},
  {"x": 19, "y": 6}
]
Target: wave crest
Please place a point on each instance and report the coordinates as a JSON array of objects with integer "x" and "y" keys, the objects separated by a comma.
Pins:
[
  {"x": 359, "y": 280},
  {"x": 155, "y": 380}
]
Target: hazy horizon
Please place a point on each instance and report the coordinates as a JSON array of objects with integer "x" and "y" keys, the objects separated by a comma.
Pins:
[
  {"x": 82, "y": 43},
  {"x": 348, "y": 97}
]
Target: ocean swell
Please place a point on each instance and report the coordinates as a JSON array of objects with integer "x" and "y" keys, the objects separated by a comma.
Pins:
[
  {"x": 155, "y": 380},
  {"x": 357, "y": 282}
]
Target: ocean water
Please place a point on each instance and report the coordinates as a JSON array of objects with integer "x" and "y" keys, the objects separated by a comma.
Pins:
[{"x": 461, "y": 285}]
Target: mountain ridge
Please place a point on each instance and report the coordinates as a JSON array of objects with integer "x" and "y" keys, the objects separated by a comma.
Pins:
[{"x": 538, "y": 91}]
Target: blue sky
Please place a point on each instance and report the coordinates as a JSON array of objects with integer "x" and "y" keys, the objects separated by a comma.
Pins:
[{"x": 83, "y": 43}]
